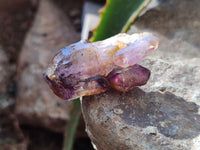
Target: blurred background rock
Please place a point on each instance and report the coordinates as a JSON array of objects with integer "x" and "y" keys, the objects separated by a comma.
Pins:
[{"x": 31, "y": 32}]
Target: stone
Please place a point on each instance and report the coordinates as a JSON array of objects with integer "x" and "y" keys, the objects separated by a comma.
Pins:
[
  {"x": 164, "y": 113},
  {"x": 141, "y": 120},
  {"x": 36, "y": 104},
  {"x": 178, "y": 33},
  {"x": 178, "y": 77}
]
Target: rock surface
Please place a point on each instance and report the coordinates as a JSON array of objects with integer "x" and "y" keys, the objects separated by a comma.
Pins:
[
  {"x": 36, "y": 104},
  {"x": 178, "y": 33},
  {"x": 141, "y": 120},
  {"x": 164, "y": 113}
]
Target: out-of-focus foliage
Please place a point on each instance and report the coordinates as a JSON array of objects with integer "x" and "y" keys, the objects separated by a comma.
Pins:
[{"x": 117, "y": 16}]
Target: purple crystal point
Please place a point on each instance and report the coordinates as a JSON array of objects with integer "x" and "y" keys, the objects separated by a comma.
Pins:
[
  {"x": 125, "y": 79},
  {"x": 135, "y": 52}
]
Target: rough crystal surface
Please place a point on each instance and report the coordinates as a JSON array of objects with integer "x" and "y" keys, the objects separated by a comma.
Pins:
[{"x": 83, "y": 68}]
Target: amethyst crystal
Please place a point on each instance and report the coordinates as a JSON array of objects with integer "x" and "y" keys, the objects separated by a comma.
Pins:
[
  {"x": 124, "y": 79},
  {"x": 86, "y": 68}
]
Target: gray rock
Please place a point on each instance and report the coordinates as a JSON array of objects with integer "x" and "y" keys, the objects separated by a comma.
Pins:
[
  {"x": 36, "y": 104},
  {"x": 164, "y": 113},
  {"x": 178, "y": 32},
  {"x": 141, "y": 120},
  {"x": 182, "y": 78}
]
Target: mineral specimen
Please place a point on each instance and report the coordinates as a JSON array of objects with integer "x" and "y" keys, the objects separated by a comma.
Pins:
[{"x": 86, "y": 68}]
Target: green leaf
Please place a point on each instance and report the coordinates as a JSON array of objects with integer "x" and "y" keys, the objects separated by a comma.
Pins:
[
  {"x": 72, "y": 125},
  {"x": 117, "y": 16}
]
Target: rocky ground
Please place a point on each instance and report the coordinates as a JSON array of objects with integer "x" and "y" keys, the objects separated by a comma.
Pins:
[{"x": 163, "y": 114}]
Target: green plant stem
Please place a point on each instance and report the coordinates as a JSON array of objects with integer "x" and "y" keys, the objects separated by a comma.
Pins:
[{"x": 72, "y": 125}]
